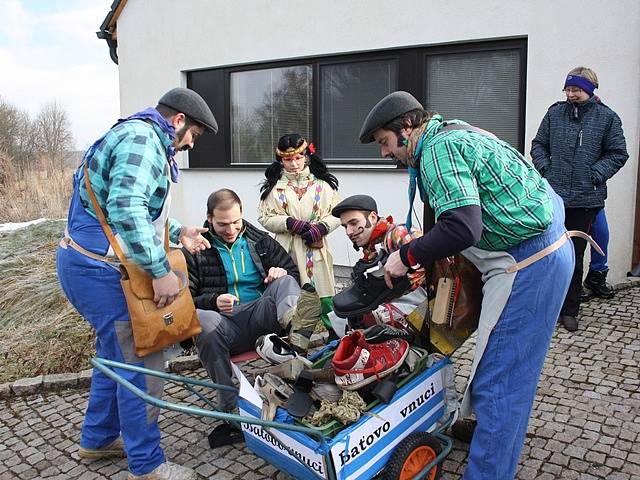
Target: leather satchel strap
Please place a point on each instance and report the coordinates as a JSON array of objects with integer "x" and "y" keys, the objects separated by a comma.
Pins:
[
  {"x": 105, "y": 226},
  {"x": 552, "y": 248}
]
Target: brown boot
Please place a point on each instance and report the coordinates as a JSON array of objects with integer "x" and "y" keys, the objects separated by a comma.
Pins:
[{"x": 303, "y": 318}]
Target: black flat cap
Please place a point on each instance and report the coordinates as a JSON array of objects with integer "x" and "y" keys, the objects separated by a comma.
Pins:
[
  {"x": 390, "y": 107},
  {"x": 192, "y": 105},
  {"x": 355, "y": 202}
]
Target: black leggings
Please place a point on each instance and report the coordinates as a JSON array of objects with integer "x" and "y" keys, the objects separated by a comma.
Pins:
[{"x": 577, "y": 219}]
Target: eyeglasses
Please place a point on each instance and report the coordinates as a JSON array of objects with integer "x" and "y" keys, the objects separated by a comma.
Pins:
[{"x": 572, "y": 90}]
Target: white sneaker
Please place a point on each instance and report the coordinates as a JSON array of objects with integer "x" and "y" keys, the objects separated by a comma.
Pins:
[
  {"x": 166, "y": 471},
  {"x": 275, "y": 350}
]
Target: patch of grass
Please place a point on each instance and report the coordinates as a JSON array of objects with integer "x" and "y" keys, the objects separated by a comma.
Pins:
[{"x": 41, "y": 331}]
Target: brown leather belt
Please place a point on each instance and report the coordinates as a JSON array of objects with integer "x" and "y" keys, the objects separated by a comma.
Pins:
[
  {"x": 67, "y": 241},
  {"x": 552, "y": 248}
]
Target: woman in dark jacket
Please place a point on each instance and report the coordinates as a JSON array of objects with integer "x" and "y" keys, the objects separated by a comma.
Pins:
[{"x": 578, "y": 147}]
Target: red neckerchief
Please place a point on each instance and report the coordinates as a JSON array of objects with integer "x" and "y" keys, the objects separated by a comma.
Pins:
[{"x": 377, "y": 235}]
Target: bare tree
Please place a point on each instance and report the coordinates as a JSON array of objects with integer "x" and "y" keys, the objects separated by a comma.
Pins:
[
  {"x": 16, "y": 136},
  {"x": 53, "y": 137}
]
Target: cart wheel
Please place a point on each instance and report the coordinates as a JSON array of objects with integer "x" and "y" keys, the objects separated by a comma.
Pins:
[{"x": 413, "y": 454}]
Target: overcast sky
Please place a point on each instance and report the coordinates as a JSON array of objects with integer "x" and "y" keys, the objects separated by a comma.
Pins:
[{"x": 49, "y": 51}]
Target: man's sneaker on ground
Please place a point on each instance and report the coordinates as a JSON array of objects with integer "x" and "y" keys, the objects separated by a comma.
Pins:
[
  {"x": 166, "y": 471},
  {"x": 275, "y": 350},
  {"x": 463, "y": 428},
  {"x": 369, "y": 289},
  {"x": 382, "y": 333},
  {"x": 358, "y": 363},
  {"x": 114, "y": 449}
]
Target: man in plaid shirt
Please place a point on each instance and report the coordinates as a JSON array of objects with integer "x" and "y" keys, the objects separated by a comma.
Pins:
[
  {"x": 130, "y": 169},
  {"x": 493, "y": 207}
]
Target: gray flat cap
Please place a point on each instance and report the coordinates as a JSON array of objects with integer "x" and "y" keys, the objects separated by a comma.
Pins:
[
  {"x": 390, "y": 107},
  {"x": 355, "y": 202},
  {"x": 192, "y": 105}
]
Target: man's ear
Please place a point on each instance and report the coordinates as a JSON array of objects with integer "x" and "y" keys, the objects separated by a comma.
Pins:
[
  {"x": 373, "y": 217},
  {"x": 210, "y": 218},
  {"x": 178, "y": 120}
]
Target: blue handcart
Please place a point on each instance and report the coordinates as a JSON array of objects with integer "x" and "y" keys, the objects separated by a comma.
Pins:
[{"x": 401, "y": 440}]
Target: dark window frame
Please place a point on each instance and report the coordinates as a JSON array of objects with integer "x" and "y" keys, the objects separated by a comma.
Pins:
[{"x": 215, "y": 152}]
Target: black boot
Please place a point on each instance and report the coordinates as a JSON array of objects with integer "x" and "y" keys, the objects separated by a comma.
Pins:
[
  {"x": 369, "y": 289},
  {"x": 597, "y": 283},
  {"x": 585, "y": 295}
]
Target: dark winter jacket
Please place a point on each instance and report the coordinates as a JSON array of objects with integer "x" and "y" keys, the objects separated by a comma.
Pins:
[
  {"x": 207, "y": 278},
  {"x": 577, "y": 149}
]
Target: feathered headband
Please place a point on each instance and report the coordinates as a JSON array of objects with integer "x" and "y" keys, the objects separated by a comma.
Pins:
[{"x": 290, "y": 152}]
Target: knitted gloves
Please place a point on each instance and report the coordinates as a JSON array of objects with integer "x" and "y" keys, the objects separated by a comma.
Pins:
[
  {"x": 315, "y": 233},
  {"x": 296, "y": 226}
]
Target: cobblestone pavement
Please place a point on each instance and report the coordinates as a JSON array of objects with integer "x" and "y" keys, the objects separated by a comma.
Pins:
[{"x": 585, "y": 423}]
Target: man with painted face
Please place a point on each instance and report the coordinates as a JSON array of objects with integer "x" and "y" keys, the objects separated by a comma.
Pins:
[
  {"x": 244, "y": 286},
  {"x": 130, "y": 170},
  {"x": 491, "y": 205},
  {"x": 374, "y": 234}
]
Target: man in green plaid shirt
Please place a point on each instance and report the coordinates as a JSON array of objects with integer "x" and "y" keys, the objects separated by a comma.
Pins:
[
  {"x": 130, "y": 170},
  {"x": 493, "y": 207}
]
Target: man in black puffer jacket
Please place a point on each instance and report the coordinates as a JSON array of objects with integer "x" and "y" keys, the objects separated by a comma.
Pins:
[
  {"x": 579, "y": 146},
  {"x": 244, "y": 286}
]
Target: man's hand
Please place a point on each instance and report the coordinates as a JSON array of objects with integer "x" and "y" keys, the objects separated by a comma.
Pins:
[
  {"x": 225, "y": 302},
  {"x": 165, "y": 289},
  {"x": 394, "y": 268},
  {"x": 191, "y": 238},
  {"x": 274, "y": 272}
]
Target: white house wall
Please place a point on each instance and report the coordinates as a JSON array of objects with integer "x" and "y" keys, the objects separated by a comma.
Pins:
[{"x": 160, "y": 39}]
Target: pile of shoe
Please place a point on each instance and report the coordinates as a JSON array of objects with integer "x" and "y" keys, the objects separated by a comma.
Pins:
[{"x": 364, "y": 361}]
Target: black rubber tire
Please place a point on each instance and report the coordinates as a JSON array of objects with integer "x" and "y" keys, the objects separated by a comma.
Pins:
[{"x": 404, "y": 450}]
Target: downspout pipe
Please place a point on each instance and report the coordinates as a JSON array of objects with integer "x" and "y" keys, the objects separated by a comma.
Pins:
[{"x": 111, "y": 43}]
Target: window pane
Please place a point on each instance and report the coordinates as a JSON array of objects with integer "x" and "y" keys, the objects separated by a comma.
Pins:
[
  {"x": 266, "y": 104},
  {"x": 481, "y": 88},
  {"x": 347, "y": 93}
]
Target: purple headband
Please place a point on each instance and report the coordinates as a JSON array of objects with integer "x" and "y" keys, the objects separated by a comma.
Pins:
[{"x": 580, "y": 82}]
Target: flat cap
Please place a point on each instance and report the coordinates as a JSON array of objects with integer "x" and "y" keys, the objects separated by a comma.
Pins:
[
  {"x": 192, "y": 105},
  {"x": 390, "y": 107},
  {"x": 355, "y": 202}
]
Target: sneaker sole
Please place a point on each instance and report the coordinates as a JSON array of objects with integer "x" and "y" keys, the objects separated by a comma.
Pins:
[
  {"x": 373, "y": 378},
  {"x": 384, "y": 297},
  {"x": 100, "y": 454}
]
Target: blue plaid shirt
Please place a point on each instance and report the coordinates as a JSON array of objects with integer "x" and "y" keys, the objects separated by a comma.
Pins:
[{"x": 128, "y": 173}]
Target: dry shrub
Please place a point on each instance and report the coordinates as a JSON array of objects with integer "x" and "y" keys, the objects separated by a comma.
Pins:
[
  {"x": 41, "y": 332},
  {"x": 43, "y": 190}
]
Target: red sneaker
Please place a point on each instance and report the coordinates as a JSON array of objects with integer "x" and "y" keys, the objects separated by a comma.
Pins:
[{"x": 358, "y": 363}]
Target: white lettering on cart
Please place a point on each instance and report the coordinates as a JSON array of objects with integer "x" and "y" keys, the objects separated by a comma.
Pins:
[
  {"x": 364, "y": 443},
  {"x": 263, "y": 434},
  {"x": 430, "y": 392}
]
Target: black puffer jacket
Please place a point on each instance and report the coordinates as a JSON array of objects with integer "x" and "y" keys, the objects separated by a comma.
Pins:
[
  {"x": 207, "y": 278},
  {"x": 579, "y": 147}
]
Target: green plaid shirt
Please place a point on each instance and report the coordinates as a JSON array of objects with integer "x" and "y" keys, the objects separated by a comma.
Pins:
[
  {"x": 128, "y": 173},
  {"x": 460, "y": 168}
]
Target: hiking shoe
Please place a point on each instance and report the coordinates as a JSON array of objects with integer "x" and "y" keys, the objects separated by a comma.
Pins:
[
  {"x": 597, "y": 283},
  {"x": 113, "y": 450},
  {"x": 166, "y": 471},
  {"x": 585, "y": 295},
  {"x": 369, "y": 289},
  {"x": 302, "y": 318},
  {"x": 569, "y": 322},
  {"x": 275, "y": 350},
  {"x": 382, "y": 333},
  {"x": 358, "y": 363}
]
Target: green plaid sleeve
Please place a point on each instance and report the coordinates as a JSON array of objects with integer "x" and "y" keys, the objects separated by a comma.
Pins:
[
  {"x": 135, "y": 177},
  {"x": 449, "y": 180}
]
